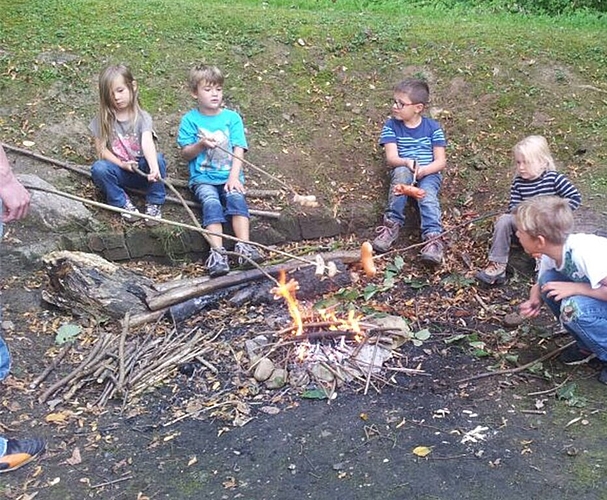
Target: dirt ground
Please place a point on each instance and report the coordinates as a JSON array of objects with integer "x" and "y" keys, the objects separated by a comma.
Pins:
[{"x": 538, "y": 433}]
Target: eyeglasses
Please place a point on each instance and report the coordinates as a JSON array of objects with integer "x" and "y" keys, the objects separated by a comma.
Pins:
[{"x": 400, "y": 105}]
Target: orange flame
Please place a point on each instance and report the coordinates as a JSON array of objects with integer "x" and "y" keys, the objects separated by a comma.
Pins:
[{"x": 287, "y": 292}]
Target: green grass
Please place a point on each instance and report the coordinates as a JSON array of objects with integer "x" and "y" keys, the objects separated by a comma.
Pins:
[{"x": 315, "y": 80}]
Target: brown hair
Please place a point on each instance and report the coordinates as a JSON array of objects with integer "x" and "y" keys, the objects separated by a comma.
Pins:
[
  {"x": 417, "y": 90},
  {"x": 547, "y": 216},
  {"x": 204, "y": 73}
]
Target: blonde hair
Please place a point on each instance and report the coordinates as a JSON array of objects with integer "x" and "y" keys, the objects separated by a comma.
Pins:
[
  {"x": 107, "y": 114},
  {"x": 547, "y": 216},
  {"x": 210, "y": 75},
  {"x": 534, "y": 149}
]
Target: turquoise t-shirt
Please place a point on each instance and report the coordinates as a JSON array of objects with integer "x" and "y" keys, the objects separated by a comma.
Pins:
[{"x": 227, "y": 128}]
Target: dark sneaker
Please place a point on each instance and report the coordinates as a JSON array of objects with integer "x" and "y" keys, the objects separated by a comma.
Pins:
[
  {"x": 249, "y": 253},
  {"x": 131, "y": 208},
  {"x": 153, "y": 211},
  {"x": 603, "y": 374},
  {"x": 387, "y": 235},
  {"x": 575, "y": 355},
  {"x": 432, "y": 253},
  {"x": 217, "y": 263},
  {"x": 493, "y": 274},
  {"x": 20, "y": 452}
]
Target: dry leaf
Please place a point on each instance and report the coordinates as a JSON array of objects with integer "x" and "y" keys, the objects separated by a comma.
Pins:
[
  {"x": 56, "y": 417},
  {"x": 75, "y": 459},
  {"x": 421, "y": 451},
  {"x": 192, "y": 461}
]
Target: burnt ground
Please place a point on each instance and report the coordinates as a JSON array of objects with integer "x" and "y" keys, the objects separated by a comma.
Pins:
[{"x": 278, "y": 444}]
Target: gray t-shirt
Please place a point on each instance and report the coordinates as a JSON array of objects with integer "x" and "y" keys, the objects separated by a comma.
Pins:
[{"x": 125, "y": 142}]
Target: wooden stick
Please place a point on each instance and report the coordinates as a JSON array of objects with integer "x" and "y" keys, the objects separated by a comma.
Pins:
[
  {"x": 371, "y": 366},
  {"x": 121, "y": 360},
  {"x": 85, "y": 170},
  {"x": 42, "y": 377},
  {"x": 518, "y": 368}
]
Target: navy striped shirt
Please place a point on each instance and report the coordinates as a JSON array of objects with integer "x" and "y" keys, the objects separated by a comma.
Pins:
[
  {"x": 416, "y": 143},
  {"x": 549, "y": 183}
]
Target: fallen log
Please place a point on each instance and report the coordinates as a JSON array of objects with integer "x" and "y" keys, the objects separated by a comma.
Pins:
[
  {"x": 87, "y": 284},
  {"x": 157, "y": 301}
]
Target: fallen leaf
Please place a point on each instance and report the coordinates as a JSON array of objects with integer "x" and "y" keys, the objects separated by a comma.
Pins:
[
  {"x": 422, "y": 451},
  {"x": 28, "y": 144},
  {"x": 56, "y": 417},
  {"x": 75, "y": 459},
  {"x": 192, "y": 461}
]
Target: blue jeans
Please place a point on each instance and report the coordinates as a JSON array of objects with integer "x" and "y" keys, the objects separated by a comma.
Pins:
[
  {"x": 583, "y": 317},
  {"x": 214, "y": 198},
  {"x": 3, "y": 442},
  {"x": 112, "y": 180},
  {"x": 429, "y": 205},
  {"x": 5, "y": 357}
]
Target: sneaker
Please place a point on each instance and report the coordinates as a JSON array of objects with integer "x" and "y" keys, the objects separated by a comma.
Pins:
[
  {"x": 493, "y": 274},
  {"x": 603, "y": 374},
  {"x": 576, "y": 355},
  {"x": 248, "y": 252},
  {"x": 388, "y": 233},
  {"x": 432, "y": 253},
  {"x": 217, "y": 262},
  {"x": 20, "y": 452},
  {"x": 153, "y": 211},
  {"x": 131, "y": 208}
]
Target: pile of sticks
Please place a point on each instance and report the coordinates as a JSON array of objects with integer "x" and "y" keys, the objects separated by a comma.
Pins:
[{"x": 126, "y": 368}]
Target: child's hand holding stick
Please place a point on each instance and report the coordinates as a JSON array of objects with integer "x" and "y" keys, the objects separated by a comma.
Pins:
[{"x": 410, "y": 189}]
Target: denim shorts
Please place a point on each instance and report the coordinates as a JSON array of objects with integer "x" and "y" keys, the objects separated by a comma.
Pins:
[{"x": 217, "y": 204}]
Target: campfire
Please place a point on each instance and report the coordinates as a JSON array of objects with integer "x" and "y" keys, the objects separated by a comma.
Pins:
[
  {"x": 306, "y": 352},
  {"x": 329, "y": 350}
]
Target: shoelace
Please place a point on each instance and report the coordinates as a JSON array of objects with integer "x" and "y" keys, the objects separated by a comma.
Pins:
[{"x": 214, "y": 258}]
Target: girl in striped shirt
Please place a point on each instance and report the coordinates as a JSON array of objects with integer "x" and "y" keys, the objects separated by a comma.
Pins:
[{"x": 536, "y": 175}]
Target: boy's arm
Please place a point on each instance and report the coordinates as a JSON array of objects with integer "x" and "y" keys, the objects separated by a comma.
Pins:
[
  {"x": 392, "y": 158},
  {"x": 559, "y": 290},
  {"x": 531, "y": 307},
  {"x": 440, "y": 161},
  {"x": 233, "y": 182}
]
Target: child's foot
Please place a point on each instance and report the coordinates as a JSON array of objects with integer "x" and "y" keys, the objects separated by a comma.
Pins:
[
  {"x": 493, "y": 274},
  {"x": 217, "y": 262},
  {"x": 20, "y": 452},
  {"x": 432, "y": 253},
  {"x": 248, "y": 252},
  {"x": 131, "y": 208},
  {"x": 575, "y": 355},
  {"x": 388, "y": 233},
  {"x": 153, "y": 211}
]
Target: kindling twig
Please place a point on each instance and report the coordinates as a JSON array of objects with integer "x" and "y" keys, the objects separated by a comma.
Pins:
[
  {"x": 55, "y": 363},
  {"x": 518, "y": 368}
]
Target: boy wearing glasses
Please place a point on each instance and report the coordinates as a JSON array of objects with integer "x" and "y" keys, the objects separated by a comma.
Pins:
[{"x": 415, "y": 153}]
